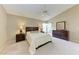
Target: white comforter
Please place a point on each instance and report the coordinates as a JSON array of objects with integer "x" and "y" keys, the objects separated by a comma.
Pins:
[
  {"x": 58, "y": 47},
  {"x": 38, "y": 38}
]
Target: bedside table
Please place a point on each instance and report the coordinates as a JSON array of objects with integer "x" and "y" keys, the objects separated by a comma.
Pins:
[{"x": 20, "y": 37}]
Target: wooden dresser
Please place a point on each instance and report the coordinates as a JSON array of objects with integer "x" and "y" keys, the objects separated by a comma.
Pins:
[
  {"x": 62, "y": 34},
  {"x": 20, "y": 37}
]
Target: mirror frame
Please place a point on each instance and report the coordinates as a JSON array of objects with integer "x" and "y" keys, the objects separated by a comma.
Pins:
[{"x": 63, "y": 24}]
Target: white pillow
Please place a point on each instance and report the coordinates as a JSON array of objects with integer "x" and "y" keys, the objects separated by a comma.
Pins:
[{"x": 37, "y": 39}]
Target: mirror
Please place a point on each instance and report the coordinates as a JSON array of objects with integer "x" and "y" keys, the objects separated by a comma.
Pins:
[{"x": 61, "y": 25}]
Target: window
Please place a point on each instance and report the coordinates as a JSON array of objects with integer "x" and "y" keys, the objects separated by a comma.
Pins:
[{"x": 47, "y": 28}]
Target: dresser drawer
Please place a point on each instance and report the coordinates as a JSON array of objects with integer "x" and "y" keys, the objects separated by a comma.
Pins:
[{"x": 62, "y": 34}]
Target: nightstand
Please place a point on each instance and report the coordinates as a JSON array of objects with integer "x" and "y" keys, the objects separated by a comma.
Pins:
[{"x": 20, "y": 37}]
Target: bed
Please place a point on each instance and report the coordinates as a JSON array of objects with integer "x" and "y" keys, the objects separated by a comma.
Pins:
[{"x": 56, "y": 47}]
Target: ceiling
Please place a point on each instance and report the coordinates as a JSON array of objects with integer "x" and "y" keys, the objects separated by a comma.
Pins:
[{"x": 36, "y": 11}]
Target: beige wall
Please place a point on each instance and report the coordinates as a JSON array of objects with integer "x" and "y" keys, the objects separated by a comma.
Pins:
[
  {"x": 71, "y": 17},
  {"x": 14, "y": 22},
  {"x": 3, "y": 25}
]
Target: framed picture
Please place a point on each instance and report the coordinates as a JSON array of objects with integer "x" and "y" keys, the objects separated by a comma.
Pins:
[{"x": 61, "y": 25}]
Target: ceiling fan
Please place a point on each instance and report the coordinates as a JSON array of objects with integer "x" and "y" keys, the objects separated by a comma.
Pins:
[{"x": 44, "y": 11}]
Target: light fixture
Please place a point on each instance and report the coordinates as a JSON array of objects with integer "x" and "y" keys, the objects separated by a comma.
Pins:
[
  {"x": 45, "y": 13},
  {"x": 22, "y": 28}
]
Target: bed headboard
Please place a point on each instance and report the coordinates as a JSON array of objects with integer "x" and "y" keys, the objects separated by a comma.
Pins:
[{"x": 32, "y": 29}]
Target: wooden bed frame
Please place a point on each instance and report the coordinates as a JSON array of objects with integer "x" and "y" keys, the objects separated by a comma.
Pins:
[{"x": 32, "y": 29}]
